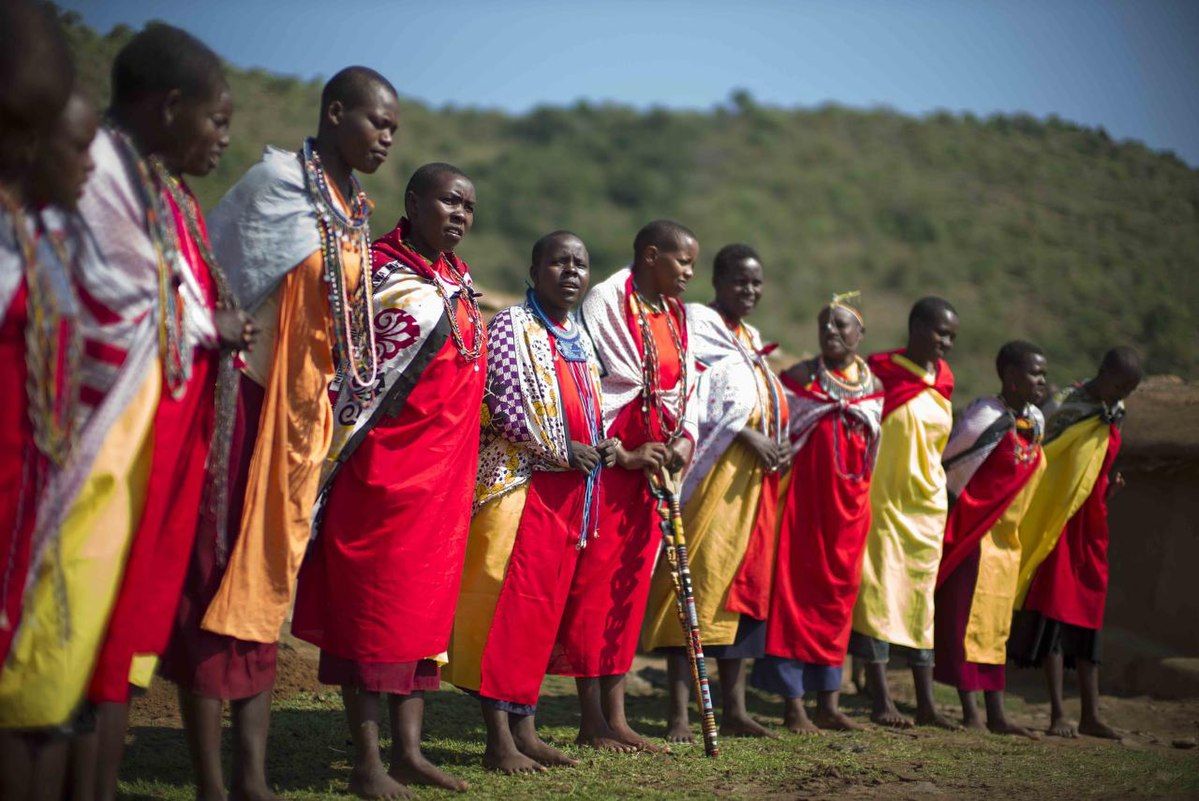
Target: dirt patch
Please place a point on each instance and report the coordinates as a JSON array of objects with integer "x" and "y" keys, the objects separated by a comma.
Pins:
[{"x": 296, "y": 675}]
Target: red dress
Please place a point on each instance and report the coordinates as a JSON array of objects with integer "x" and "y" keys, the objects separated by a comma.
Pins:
[
  {"x": 541, "y": 569},
  {"x": 822, "y": 536},
  {"x": 378, "y": 589},
  {"x": 162, "y": 543},
  {"x": 22, "y": 467},
  {"x": 984, "y": 499},
  {"x": 602, "y": 622}
]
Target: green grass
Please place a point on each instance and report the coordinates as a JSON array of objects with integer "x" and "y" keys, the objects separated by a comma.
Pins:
[{"x": 309, "y": 753}]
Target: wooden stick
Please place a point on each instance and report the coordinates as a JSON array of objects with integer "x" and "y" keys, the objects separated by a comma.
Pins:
[{"x": 666, "y": 490}]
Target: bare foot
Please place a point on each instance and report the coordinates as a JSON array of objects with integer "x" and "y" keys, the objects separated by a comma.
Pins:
[
  {"x": 510, "y": 762},
  {"x": 374, "y": 783},
  {"x": 211, "y": 794},
  {"x": 544, "y": 753},
  {"x": 835, "y": 720},
  {"x": 603, "y": 740},
  {"x": 974, "y": 724},
  {"x": 936, "y": 719},
  {"x": 419, "y": 770},
  {"x": 892, "y": 718},
  {"x": 1097, "y": 728},
  {"x": 1060, "y": 727},
  {"x": 678, "y": 730},
  {"x": 742, "y": 726},
  {"x": 627, "y": 735},
  {"x": 1007, "y": 727}
]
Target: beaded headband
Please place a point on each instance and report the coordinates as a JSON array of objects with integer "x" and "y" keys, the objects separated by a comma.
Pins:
[{"x": 839, "y": 302}]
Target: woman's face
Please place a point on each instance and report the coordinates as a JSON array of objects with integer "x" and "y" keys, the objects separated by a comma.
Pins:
[{"x": 198, "y": 132}]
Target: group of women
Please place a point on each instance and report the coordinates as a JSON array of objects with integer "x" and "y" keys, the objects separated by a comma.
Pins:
[{"x": 210, "y": 420}]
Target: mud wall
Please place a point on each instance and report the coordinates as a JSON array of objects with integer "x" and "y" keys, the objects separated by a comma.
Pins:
[{"x": 1154, "y": 552}]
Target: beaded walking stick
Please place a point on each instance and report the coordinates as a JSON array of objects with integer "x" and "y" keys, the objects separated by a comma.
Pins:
[{"x": 666, "y": 490}]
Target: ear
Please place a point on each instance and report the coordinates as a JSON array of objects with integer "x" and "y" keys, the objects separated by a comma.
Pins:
[
  {"x": 335, "y": 112},
  {"x": 650, "y": 255},
  {"x": 171, "y": 102},
  {"x": 410, "y": 206}
]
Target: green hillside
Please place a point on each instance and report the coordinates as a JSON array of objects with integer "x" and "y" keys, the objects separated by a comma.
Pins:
[{"x": 1038, "y": 229}]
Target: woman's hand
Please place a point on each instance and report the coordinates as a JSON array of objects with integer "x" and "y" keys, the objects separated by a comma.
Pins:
[
  {"x": 773, "y": 455},
  {"x": 235, "y": 329},
  {"x": 607, "y": 451},
  {"x": 583, "y": 457},
  {"x": 650, "y": 456},
  {"x": 679, "y": 454}
]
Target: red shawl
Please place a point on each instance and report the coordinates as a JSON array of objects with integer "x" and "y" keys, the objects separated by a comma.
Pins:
[
  {"x": 901, "y": 385},
  {"x": 989, "y": 492}
]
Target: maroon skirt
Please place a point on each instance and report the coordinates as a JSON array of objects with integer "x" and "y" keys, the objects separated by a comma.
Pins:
[
  {"x": 394, "y": 678},
  {"x": 208, "y": 664}
]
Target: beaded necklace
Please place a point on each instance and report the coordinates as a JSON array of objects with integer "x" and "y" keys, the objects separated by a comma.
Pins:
[
  {"x": 187, "y": 205},
  {"x": 176, "y": 359},
  {"x": 574, "y": 353},
  {"x": 844, "y": 392},
  {"x": 1027, "y": 432},
  {"x": 353, "y": 329},
  {"x": 474, "y": 316},
  {"x": 651, "y": 389},
  {"x": 52, "y": 403},
  {"x": 773, "y": 427}
]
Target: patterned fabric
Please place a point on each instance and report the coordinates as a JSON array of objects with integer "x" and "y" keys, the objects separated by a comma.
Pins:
[
  {"x": 812, "y": 402},
  {"x": 523, "y": 424},
  {"x": 734, "y": 385},
  {"x": 1073, "y": 405},
  {"x": 603, "y": 314},
  {"x": 977, "y": 432},
  {"x": 407, "y": 309}
]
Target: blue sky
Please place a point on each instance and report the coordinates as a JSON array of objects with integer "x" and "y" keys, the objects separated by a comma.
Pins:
[{"x": 1132, "y": 67}]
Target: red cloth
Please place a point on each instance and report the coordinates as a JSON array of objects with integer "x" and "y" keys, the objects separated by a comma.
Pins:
[
  {"x": 540, "y": 571},
  {"x": 822, "y": 538},
  {"x": 22, "y": 467},
  {"x": 381, "y": 581},
  {"x": 394, "y": 678},
  {"x": 953, "y": 600},
  {"x": 900, "y": 384},
  {"x": 988, "y": 493},
  {"x": 749, "y": 594},
  {"x": 1070, "y": 586},
  {"x": 208, "y": 664},
  {"x": 162, "y": 543},
  {"x": 602, "y": 621}
]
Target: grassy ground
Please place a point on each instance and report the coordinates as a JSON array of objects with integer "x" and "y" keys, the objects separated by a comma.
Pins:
[{"x": 309, "y": 753}]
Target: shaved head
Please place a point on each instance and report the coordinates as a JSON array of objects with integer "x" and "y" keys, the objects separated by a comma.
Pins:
[
  {"x": 663, "y": 234},
  {"x": 354, "y": 86},
  {"x": 1122, "y": 361},
  {"x": 163, "y": 58},
  {"x": 426, "y": 177},
  {"x": 928, "y": 310},
  {"x": 543, "y": 244}
]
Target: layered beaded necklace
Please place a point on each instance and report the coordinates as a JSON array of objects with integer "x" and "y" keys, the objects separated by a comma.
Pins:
[
  {"x": 772, "y": 424},
  {"x": 1027, "y": 432},
  {"x": 53, "y": 403},
  {"x": 651, "y": 387},
  {"x": 353, "y": 330},
  {"x": 187, "y": 205},
  {"x": 176, "y": 359},
  {"x": 844, "y": 392},
  {"x": 572, "y": 350},
  {"x": 474, "y": 316}
]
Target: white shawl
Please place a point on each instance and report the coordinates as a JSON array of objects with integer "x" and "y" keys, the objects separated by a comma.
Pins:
[{"x": 603, "y": 315}]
